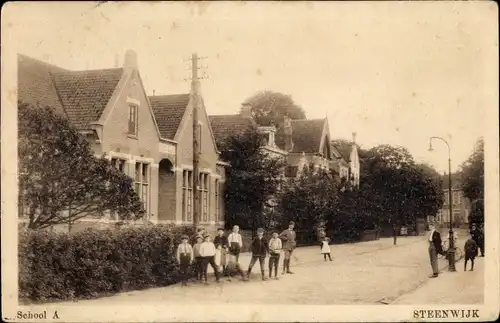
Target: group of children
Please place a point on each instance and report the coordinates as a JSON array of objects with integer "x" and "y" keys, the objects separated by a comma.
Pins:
[{"x": 223, "y": 253}]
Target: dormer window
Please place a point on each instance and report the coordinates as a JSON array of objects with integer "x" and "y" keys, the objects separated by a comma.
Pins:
[{"x": 268, "y": 133}]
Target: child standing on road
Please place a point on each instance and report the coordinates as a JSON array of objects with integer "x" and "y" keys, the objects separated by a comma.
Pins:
[
  {"x": 207, "y": 252},
  {"x": 221, "y": 245},
  {"x": 325, "y": 248},
  {"x": 471, "y": 250},
  {"x": 235, "y": 242},
  {"x": 185, "y": 258},
  {"x": 275, "y": 247},
  {"x": 198, "y": 262},
  {"x": 259, "y": 249}
]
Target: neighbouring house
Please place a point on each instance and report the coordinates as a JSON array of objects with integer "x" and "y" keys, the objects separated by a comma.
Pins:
[
  {"x": 461, "y": 205},
  {"x": 350, "y": 165},
  {"x": 299, "y": 142},
  {"x": 147, "y": 137}
]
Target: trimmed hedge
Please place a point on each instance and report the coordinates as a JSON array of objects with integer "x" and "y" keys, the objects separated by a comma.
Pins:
[{"x": 92, "y": 263}]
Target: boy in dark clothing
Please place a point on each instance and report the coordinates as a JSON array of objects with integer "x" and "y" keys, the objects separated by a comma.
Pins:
[
  {"x": 470, "y": 249},
  {"x": 478, "y": 237},
  {"x": 259, "y": 249},
  {"x": 221, "y": 246},
  {"x": 198, "y": 261}
]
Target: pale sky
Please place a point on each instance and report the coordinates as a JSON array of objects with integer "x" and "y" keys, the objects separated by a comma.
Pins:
[{"x": 395, "y": 73}]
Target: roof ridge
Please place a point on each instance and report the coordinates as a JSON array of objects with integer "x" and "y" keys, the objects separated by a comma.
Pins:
[
  {"x": 92, "y": 70},
  {"x": 165, "y": 95},
  {"x": 39, "y": 61}
]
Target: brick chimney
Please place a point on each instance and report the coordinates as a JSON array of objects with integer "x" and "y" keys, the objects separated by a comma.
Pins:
[
  {"x": 246, "y": 110},
  {"x": 130, "y": 61},
  {"x": 287, "y": 128}
]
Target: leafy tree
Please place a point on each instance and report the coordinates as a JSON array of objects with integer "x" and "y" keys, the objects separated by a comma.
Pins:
[
  {"x": 252, "y": 180},
  {"x": 357, "y": 209},
  {"x": 310, "y": 200},
  {"x": 60, "y": 179},
  {"x": 406, "y": 191},
  {"x": 274, "y": 105},
  {"x": 472, "y": 173},
  {"x": 472, "y": 179}
]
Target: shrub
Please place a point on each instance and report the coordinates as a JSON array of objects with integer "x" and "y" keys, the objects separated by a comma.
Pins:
[{"x": 91, "y": 263}]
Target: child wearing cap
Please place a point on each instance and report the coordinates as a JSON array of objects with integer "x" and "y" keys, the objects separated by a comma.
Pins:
[
  {"x": 198, "y": 261},
  {"x": 288, "y": 237},
  {"x": 275, "y": 247},
  {"x": 221, "y": 246},
  {"x": 185, "y": 257},
  {"x": 207, "y": 252},
  {"x": 471, "y": 251},
  {"x": 259, "y": 249}
]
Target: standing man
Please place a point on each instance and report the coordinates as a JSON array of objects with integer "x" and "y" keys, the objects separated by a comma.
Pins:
[
  {"x": 478, "y": 237},
  {"x": 435, "y": 248},
  {"x": 288, "y": 238}
]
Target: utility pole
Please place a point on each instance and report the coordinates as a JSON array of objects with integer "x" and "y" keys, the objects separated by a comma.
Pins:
[{"x": 195, "y": 100}]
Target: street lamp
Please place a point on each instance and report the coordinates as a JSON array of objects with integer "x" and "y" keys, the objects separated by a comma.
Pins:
[{"x": 451, "y": 249}]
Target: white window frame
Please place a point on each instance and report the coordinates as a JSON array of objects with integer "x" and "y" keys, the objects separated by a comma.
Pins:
[
  {"x": 187, "y": 195},
  {"x": 204, "y": 181},
  {"x": 133, "y": 107},
  {"x": 142, "y": 174}
]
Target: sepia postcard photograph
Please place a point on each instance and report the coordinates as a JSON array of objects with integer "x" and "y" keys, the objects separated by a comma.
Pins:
[{"x": 232, "y": 161}]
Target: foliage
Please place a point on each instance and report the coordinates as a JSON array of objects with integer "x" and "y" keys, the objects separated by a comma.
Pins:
[
  {"x": 477, "y": 212},
  {"x": 405, "y": 191},
  {"x": 310, "y": 200},
  {"x": 252, "y": 180},
  {"x": 60, "y": 179},
  {"x": 472, "y": 173},
  {"x": 92, "y": 263},
  {"x": 356, "y": 210},
  {"x": 274, "y": 105}
]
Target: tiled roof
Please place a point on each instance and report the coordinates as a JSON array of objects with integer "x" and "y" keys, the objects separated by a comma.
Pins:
[
  {"x": 306, "y": 135},
  {"x": 35, "y": 84},
  {"x": 85, "y": 94},
  {"x": 344, "y": 148},
  {"x": 81, "y": 95},
  {"x": 168, "y": 111},
  {"x": 226, "y": 125}
]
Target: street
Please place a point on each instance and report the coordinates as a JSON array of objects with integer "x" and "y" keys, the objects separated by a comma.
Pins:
[{"x": 374, "y": 272}]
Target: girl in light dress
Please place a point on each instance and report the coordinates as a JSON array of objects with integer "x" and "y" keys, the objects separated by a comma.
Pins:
[{"x": 325, "y": 248}]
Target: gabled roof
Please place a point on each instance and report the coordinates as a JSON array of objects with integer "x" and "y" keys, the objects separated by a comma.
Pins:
[
  {"x": 35, "y": 84},
  {"x": 85, "y": 94},
  {"x": 344, "y": 149},
  {"x": 224, "y": 126},
  {"x": 168, "y": 111},
  {"x": 306, "y": 135},
  {"x": 81, "y": 95}
]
